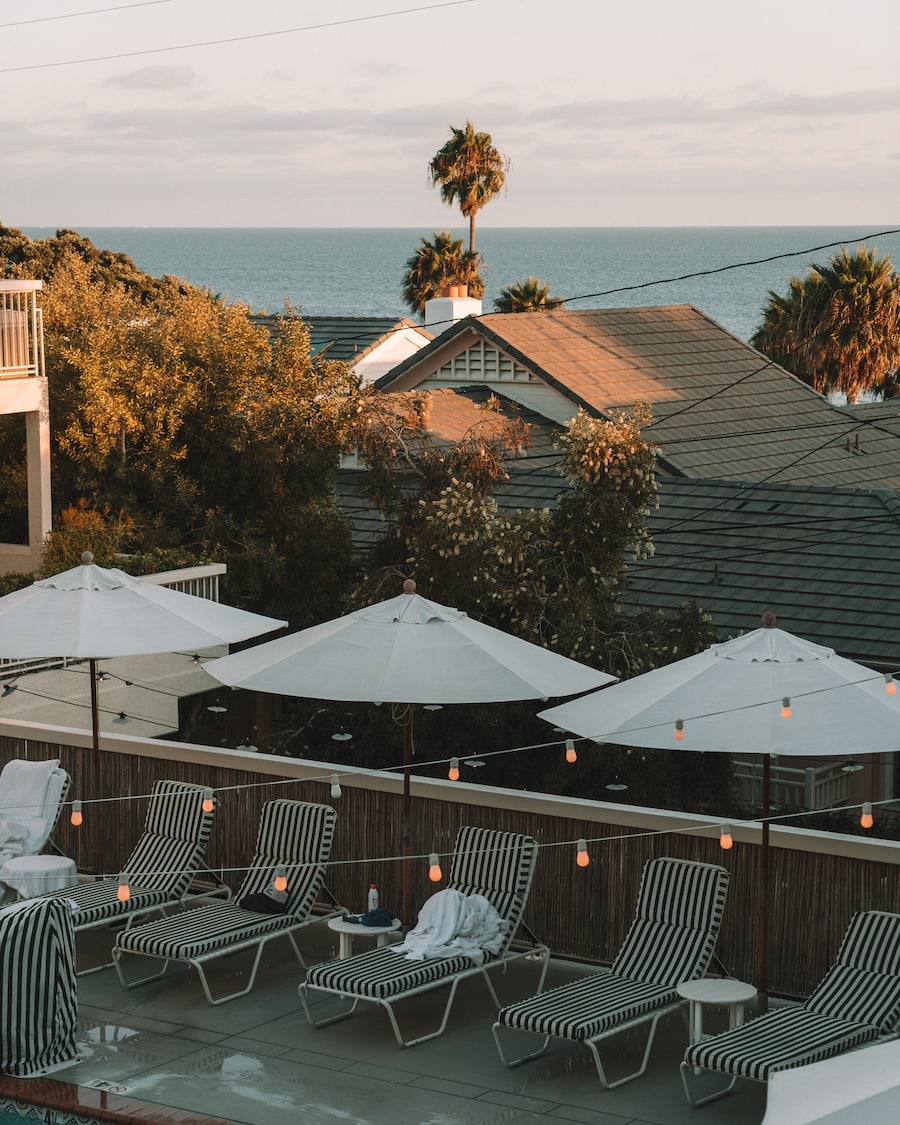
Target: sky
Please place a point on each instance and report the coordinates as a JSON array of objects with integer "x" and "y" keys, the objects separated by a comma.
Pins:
[{"x": 326, "y": 113}]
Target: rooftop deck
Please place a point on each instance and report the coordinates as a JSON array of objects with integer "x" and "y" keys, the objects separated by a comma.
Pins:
[{"x": 255, "y": 1060}]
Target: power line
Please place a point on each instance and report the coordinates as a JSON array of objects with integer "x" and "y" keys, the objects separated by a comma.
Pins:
[
  {"x": 237, "y": 38},
  {"x": 89, "y": 12}
]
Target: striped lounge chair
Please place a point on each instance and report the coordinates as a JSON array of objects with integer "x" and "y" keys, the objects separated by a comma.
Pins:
[
  {"x": 38, "y": 1005},
  {"x": 160, "y": 869},
  {"x": 294, "y": 835},
  {"x": 671, "y": 939},
  {"x": 857, "y": 1001},
  {"x": 497, "y": 865}
]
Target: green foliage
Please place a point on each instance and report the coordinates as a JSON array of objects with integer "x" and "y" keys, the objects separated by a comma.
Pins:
[
  {"x": 838, "y": 329},
  {"x": 469, "y": 171},
  {"x": 532, "y": 295},
  {"x": 437, "y": 263}
]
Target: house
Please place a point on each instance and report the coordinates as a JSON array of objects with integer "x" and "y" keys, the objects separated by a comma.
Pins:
[
  {"x": 372, "y": 345},
  {"x": 23, "y": 393}
]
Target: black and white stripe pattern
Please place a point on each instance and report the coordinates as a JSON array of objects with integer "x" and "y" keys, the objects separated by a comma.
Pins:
[
  {"x": 291, "y": 834},
  {"x": 672, "y": 938},
  {"x": 858, "y": 1000},
  {"x": 38, "y": 999},
  {"x": 162, "y": 865},
  {"x": 497, "y": 865}
]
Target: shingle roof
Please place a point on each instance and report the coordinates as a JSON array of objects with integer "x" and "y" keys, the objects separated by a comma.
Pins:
[
  {"x": 721, "y": 409},
  {"x": 823, "y": 559},
  {"x": 348, "y": 338}
]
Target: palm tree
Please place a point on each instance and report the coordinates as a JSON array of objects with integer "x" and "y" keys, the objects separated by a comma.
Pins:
[
  {"x": 527, "y": 296},
  {"x": 469, "y": 172},
  {"x": 438, "y": 262},
  {"x": 839, "y": 328}
]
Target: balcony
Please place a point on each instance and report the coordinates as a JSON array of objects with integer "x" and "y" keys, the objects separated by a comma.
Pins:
[{"x": 21, "y": 330}]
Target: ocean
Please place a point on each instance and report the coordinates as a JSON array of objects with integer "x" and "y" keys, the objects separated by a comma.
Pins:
[{"x": 359, "y": 272}]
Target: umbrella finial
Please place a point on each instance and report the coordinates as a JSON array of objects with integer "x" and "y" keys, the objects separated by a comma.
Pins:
[
  {"x": 768, "y": 620},
  {"x": 87, "y": 558},
  {"x": 409, "y": 586}
]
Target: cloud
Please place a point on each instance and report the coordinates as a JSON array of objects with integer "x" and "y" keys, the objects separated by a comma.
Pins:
[{"x": 154, "y": 78}]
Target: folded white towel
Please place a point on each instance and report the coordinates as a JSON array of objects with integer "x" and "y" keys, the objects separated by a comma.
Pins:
[{"x": 29, "y": 798}]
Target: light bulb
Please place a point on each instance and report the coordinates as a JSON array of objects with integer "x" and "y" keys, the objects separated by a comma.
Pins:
[
  {"x": 679, "y": 730},
  {"x": 786, "y": 707},
  {"x": 571, "y": 756},
  {"x": 866, "y": 819},
  {"x": 726, "y": 841},
  {"x": 434, "y": 868},
  {"x": 208, "y": 803},
  {"x": 453, "y": 772},
  {"x": 889, "y": 686},
  {"x": 280, "y": 883},
  {"x": 123, "y": 891},
  {"x": 581, "y": 854},
  {"x": 76, "y": 817},
  {"x": 335, "y": 786}
]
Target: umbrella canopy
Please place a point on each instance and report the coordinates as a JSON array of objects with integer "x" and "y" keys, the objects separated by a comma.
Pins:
[
  {"x": 406, "y": 650},
  {"x": 94, "y": 613},
  {"x": 730, "y": 698},
  {"x": 767, "y": 692},
  {"x": 857, "y": 1086}
]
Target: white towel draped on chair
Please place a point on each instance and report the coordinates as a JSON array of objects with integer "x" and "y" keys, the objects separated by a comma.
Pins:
[
  {"x": 29, "y": 803},
  {"x": 452, "y": 924}
]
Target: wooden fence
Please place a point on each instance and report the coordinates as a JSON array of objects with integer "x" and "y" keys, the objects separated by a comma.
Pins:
[{"x": 817, "y": 880}]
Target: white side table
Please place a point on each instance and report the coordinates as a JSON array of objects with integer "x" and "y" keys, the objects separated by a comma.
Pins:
[
  {"x": 713, "y": 992},
  {"x": 350, "y": 930},
  {"x": 32, "y": 875}
]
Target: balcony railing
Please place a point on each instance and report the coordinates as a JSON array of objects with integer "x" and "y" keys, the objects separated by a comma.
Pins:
[
  {"x": 813, "y": 787},
  {"x": 21, "y": 330}
]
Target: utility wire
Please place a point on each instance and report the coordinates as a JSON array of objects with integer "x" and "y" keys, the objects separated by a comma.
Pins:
[{"x": 90, "y": 12}]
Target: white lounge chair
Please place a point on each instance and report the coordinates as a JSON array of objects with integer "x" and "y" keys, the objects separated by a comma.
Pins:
[
  {"x": 294, "y": 835},
  {"x": 671, "y": 939},
  {"x": 497, "y": 865},
  {"x": 857, "y": 1002}
]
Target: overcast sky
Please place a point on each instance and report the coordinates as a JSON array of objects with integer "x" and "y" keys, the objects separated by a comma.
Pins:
[{"x": 327, "y": 112}]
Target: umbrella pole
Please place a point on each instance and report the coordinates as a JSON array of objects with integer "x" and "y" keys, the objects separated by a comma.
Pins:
[
  {"x": 95, "y": 705},
  {"x": 762, "y": 972},
  {"x": 407, "y": 761}
]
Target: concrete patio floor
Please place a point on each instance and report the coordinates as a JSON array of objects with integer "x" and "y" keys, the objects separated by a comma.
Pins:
[{"x": 256, "y": 1061}]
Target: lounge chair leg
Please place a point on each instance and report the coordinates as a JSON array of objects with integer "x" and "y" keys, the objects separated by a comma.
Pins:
[
  {"x": 302, "y": 993},
  {"x": 117, "y": 958},
  {"x": 522, "y": 1058},
  {"x": 686, "y": 1070}
]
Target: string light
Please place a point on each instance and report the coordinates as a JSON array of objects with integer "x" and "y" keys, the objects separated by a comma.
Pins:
[
  {"x": 8, "y": 689},
  {"x": 280, "y": 883},
  {"x": 571, "y": 756},
  {"x": 679, "y": 730},
  {"x": 434, "y": 868},
  {"x": 335, "y": 786},
  {"x": 889, "y": 686},
  {"x": 208, "y": 802},
  {"x": 786, "y": 707},
  {"x": 121, "y": 718},
  {"x": 76, "y": 817},
  {"x": 581, "y": 854},
  {"x": 453, "y": 772},
  {"x": 726, "y": 840},
  {"x": 866, "y": 819},
  {"x": 123, "y": 891}
]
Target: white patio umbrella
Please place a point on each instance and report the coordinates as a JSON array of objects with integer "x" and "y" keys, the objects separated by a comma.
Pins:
[
  {"x": 406, "y": 650},
  {"x": 861, "y": 1085},
  {"x": 767, "y": 692},
  {"x": 94, "y": 613}
]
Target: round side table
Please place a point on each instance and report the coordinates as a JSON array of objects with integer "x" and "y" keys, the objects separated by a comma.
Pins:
[
  {"x": 711, "y": 992},
  {"x": 350, "y": 930},
  {"x": 32, "y": 875}
]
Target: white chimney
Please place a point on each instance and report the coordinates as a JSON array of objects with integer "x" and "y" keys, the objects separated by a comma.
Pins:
[{"x": 453, "y": 304}]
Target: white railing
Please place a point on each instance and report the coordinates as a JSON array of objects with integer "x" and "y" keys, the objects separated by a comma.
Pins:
[
  {"x": 21, "y": 330},
  {"x": 812, "y": 787}
]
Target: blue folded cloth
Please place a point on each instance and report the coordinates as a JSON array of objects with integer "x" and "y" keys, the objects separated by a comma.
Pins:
[{"x": 379, "y": 917}]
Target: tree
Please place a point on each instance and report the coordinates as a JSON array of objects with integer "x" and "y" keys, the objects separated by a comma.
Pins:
[
  {"x": 838, "y": 329},
  {"x": 469, "y": 171},
  {"x": 527, "y": 296},
  {"x": 438, "y": 262}
]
